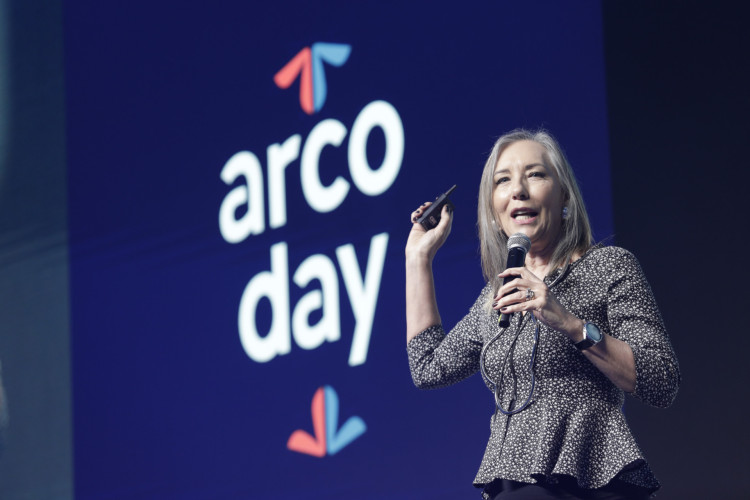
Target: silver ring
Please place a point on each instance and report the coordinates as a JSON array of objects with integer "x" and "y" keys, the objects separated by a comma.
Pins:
[{"x": 529, "y": 294}]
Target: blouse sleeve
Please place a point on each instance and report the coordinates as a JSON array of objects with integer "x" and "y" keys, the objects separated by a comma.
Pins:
[
  {"x": 634, "y": 318},
  {"x": 439, "y": 360}
]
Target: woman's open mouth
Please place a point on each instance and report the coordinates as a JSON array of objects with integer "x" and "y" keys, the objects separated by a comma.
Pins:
[{"x": 523, "y": 215}]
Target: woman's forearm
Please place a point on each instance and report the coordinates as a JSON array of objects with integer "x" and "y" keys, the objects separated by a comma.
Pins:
[
  {"x": 611, "y": 356},
  {"x": 421, "y": 303},
  {"x": 614, "y": 358}
]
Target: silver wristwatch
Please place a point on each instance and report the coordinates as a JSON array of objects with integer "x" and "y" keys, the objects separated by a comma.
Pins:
[{"x": 591, "y": 335}]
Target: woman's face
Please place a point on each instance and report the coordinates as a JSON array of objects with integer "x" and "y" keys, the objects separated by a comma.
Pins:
[{"x": 528, "y": 197}]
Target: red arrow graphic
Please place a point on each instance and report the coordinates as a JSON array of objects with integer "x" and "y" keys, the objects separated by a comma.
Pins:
[
  {"x": 303, "y": 442},
  {"x": 301, "y": 63}
]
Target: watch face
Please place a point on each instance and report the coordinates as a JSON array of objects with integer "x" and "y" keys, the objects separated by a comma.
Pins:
[{"x": 593, "y": 332}]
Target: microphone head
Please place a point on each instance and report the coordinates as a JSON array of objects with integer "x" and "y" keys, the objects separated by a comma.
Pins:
[{"x": 519, "y": 240}]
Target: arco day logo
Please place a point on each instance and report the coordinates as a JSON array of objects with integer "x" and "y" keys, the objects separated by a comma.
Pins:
[{"x": 242, "y": 214}]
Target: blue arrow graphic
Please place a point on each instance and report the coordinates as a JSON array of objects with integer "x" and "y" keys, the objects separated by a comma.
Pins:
[
  {"x": 337, "y": 439},
  {"x": 335, "y": 54}
]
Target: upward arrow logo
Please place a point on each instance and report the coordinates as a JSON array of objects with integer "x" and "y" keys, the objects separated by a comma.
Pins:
[{"x": 308, "y": 63}]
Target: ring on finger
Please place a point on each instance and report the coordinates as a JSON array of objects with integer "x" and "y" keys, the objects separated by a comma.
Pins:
[{"x": 529, "y": 294}]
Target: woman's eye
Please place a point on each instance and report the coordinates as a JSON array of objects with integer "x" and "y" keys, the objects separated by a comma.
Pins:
[
  {"x": 537, "y": 174},
  {"x": 501, "y": 180}
]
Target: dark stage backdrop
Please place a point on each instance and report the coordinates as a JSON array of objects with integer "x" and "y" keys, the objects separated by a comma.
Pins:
[
  {"x": 678, "y": 104},
  {"x": 203, "y": 264},
  {"x": 36, "y": 459}
]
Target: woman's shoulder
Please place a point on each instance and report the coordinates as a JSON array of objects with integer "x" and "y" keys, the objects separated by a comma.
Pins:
[
  {"x": 606, "y": 258},
  {"x": 609, "y": 252}
]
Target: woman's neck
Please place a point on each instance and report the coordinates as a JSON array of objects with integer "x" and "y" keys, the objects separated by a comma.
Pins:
[
  {"x": 541, "y": 264},
  {"x": 538, "y": 260},
  {"x": 538, "y": 264}
]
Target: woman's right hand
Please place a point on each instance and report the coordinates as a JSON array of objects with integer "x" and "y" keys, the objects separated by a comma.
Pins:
[{"x": 423, "y": 243}]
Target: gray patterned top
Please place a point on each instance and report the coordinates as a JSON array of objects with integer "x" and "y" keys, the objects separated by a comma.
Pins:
[{"x": 574, "y": 424}]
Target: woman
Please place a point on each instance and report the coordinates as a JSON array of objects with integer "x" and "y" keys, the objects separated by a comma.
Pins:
[{"x": 585, "y": 329}]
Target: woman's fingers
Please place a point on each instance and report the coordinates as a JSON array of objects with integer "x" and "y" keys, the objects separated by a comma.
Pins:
[
  {"x": 522, "y": 278},
  {"x": 423, "y": 242},
  {"x": 521, "y": 291},
  {"x": 419, "y": 211},
  {"x": 446, "y": 219},
  {"x": 520, "y": 297},
  {"x": 518, "y": 271}
]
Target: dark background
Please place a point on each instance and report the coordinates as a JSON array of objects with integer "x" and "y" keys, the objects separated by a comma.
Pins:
[
  {"x": 34, "y": 308},
  {"x": 677, "y": 80},
  {"x": 677, "y": 83}
]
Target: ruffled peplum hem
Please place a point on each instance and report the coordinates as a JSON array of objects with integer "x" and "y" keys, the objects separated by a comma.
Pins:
[{"x": 588, "y": 440}]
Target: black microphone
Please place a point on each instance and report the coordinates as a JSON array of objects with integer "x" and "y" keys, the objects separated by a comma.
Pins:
[{"x": 518, "y": 246}]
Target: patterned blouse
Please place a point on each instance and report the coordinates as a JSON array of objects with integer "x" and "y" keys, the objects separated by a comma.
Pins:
[{"x": 574, "y": 424}]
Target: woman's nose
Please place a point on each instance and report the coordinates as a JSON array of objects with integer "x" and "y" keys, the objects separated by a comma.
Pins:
[{"x": 519, "y": 190}]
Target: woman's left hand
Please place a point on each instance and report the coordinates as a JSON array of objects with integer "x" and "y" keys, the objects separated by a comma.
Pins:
[
  {"x": 534, "y": 296},
  {"x": 613, "y": 357}
]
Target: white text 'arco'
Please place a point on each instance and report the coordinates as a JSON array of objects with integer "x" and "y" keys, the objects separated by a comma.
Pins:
[{"x": 249, "y": 196}]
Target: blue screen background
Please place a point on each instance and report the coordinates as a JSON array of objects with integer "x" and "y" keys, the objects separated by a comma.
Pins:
[{"x": 166, "y": 402}]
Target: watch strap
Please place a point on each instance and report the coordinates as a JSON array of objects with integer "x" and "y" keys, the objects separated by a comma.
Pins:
[{"x": 584, "y": 344}]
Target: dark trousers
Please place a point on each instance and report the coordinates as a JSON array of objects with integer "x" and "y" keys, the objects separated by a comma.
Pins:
[{"x": 566, "y": 489}]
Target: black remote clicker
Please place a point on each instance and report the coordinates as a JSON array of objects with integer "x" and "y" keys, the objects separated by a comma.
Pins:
[{"x": 431, "y": 217}]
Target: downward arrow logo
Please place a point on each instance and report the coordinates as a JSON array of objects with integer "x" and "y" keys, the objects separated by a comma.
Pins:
[
  {"x": 308, "y": 64},
  {"x": 328, "y": 437}
]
